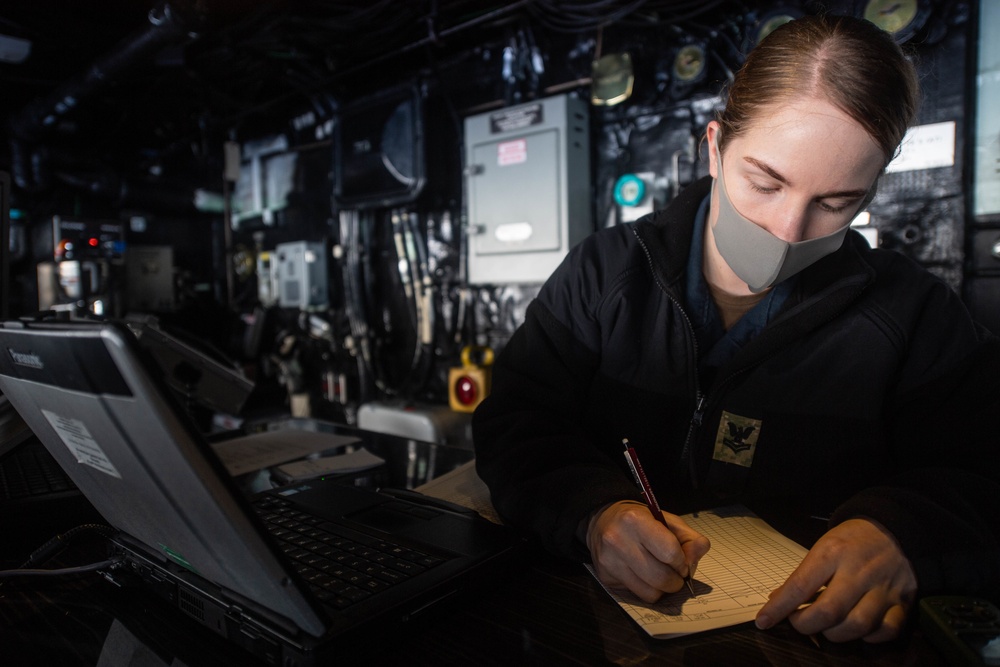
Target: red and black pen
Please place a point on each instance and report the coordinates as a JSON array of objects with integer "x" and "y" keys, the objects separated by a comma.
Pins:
[{"x": 654, "y": 507}]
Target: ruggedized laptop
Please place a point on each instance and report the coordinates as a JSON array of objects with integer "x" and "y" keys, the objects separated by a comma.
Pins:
[{"x": 294, "y": 575}]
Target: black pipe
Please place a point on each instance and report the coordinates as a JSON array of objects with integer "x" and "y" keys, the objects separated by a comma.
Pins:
[
  {"x": 124, "y": 193},
  {"x": 167, "y": 27}
]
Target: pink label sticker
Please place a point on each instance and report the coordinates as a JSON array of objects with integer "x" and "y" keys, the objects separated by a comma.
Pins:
[{"x": 512, "y": 152}]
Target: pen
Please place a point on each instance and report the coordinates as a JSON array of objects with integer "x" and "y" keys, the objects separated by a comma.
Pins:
[{"x": 640, "y": 478}]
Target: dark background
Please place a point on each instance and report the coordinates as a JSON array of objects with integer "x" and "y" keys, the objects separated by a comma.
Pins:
[{"x": 121, "y": 111}]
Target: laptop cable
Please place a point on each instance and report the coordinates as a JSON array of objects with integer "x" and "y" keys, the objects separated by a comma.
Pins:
[{"x": 54, "y": 546}]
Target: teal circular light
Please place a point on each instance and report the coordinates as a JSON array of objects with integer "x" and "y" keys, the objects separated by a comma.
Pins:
[{"x": 629, "y": 190}]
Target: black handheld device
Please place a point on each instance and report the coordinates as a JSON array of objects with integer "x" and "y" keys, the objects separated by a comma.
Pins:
[{"x": 965, "y": 629}]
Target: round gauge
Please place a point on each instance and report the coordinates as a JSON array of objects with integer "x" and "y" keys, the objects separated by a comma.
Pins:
[
  {"x": 899, "y": 18},
  {"x": 244, "y": 262},
  {"x": 611, "y": 79},
  {"x": 689, "y": 63}
]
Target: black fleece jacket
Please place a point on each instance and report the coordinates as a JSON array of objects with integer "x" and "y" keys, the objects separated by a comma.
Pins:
[{"x": 872, "y": 393}]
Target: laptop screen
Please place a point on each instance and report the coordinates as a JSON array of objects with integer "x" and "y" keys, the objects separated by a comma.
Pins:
[{"x": 86, "y": 392}]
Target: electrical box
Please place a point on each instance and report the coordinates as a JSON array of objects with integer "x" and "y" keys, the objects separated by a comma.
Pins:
[
  {"x": 266, "y": 178},
  {"x": 149, "y": 278},
  {"x": 528, "y": 177},
  {"x": 76, "y": 239},
  {"x": 301, "y": 274}
]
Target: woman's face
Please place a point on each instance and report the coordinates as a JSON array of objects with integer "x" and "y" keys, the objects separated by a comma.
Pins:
[{"x": 800, "y": 171}]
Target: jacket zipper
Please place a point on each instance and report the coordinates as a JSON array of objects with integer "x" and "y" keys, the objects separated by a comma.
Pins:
[
  {"x": 687, "y": 456},
  {"x": 701, "y": 400},
  {"x": 702, "y": 403},
  {"x": 693, "y": 427}
]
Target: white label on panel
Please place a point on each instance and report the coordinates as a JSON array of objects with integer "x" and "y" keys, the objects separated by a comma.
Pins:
[
  {"x": 513, "y": 232},
  {"x": 78, "y": 440},
  {"x": 926, "y": 147}
]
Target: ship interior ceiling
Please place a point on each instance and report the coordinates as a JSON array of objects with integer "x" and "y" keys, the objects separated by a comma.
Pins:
[{"x": 298, "y": 190}]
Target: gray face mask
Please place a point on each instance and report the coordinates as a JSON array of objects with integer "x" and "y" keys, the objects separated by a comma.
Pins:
[{"x": 757, "y": 256}]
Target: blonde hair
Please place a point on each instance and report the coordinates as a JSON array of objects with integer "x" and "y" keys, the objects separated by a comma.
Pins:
[{"x": 848, "y": 61}]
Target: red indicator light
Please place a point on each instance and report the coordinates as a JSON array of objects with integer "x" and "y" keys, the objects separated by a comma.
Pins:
[
  {"x": 466, "y": 391},
  {"x": 92, "y": 242}
]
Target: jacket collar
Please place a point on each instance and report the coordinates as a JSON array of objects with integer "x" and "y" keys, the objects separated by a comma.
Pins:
[{"x": 667, "y": 235}]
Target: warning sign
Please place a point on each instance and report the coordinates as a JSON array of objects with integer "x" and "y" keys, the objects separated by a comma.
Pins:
[
  {"x": 512, "y": 152},
  {"x": 517, "y": 118}
]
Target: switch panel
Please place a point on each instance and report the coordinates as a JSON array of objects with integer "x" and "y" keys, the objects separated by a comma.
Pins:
[
  {"x": 301, "y": 274},
  {"x": 528, "y": 177}
]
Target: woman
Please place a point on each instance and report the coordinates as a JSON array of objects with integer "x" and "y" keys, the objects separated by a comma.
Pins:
[{"x": 753, "y": 349}]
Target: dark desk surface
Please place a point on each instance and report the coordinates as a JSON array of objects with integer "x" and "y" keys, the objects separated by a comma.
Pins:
[{"x": 547, "y": 613}]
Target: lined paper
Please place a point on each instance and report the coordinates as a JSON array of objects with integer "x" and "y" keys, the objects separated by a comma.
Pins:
[{"x": 748, "y": 560}]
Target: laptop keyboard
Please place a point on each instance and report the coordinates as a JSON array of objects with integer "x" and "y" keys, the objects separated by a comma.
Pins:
[
  {"x": 31, "y": 471},
  {"x": 340, "y": 571}
]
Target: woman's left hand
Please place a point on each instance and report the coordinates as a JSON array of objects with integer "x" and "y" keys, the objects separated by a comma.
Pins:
[{"x": 869, "y": 585}]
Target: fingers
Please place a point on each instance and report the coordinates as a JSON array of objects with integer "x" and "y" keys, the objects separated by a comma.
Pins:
[
  {"x": 799, "y": 589},
  {"x": 892, "y": 625},
  {"x": 869, "y": 587},
  {"x": 631, "y": 549},
  {"x": 868, "y": 619},
  {"x": 838, "y": 617},
  {"x": 694, "y": 544},
  {"x": 681, "y": 547},
  {"x": 649, "y": 578}
]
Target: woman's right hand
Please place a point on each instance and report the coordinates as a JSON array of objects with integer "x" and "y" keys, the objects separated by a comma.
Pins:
[{"x": 631, "y": 549}]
